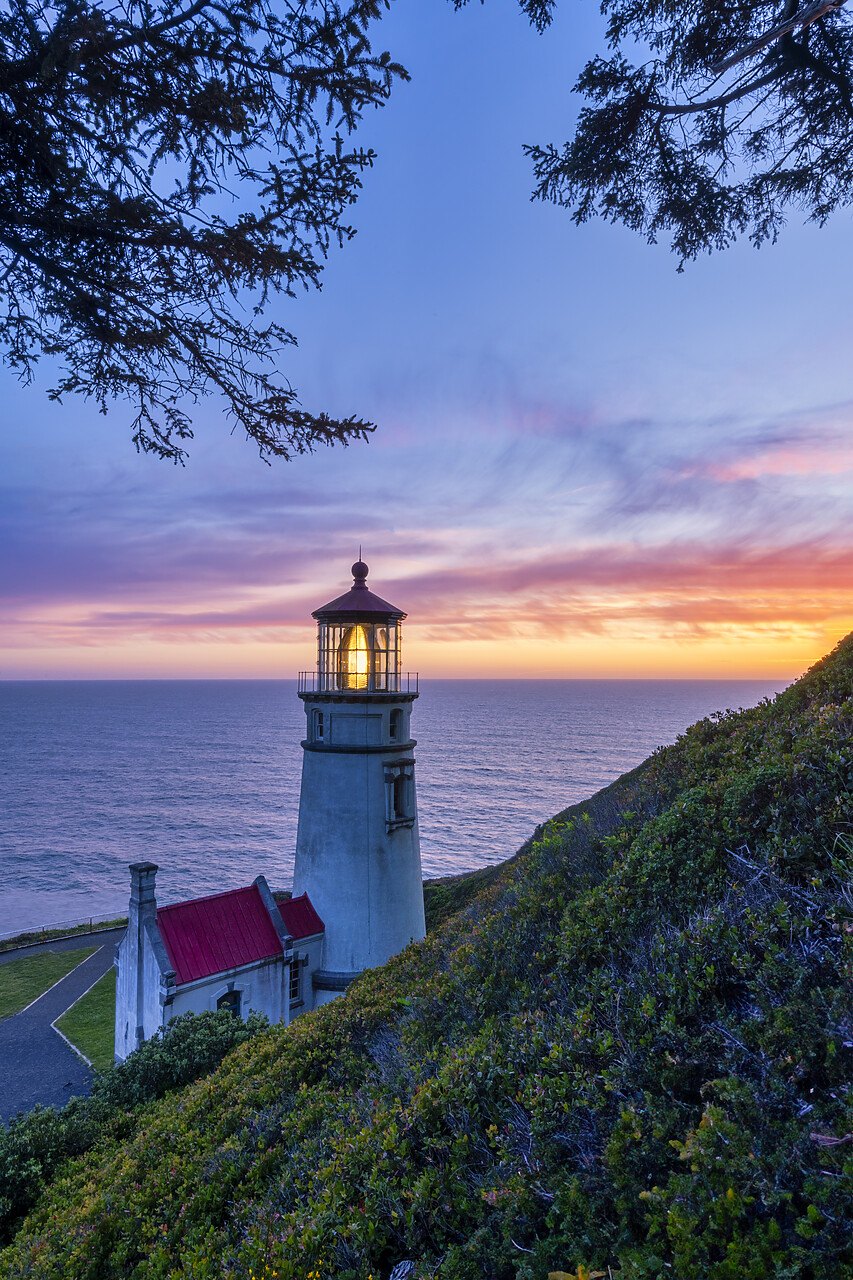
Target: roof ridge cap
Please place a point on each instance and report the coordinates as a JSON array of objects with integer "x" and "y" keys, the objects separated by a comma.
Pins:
[{"x": 206, "y": 897}]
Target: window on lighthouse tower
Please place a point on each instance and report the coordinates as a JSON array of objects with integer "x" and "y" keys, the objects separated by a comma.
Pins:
[{"x": 399, "y": 795}]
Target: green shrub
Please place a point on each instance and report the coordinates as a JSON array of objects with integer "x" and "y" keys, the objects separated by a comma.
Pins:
[
  {"x": 189, "y": 1047},
  {"x": 36, "y": 1145}
]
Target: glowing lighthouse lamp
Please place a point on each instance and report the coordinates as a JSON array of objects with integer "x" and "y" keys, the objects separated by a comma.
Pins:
[{"x": 357, "y": 846}]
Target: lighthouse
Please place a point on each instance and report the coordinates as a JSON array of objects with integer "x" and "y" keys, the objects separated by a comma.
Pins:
[{"x": 357, "y": 847}]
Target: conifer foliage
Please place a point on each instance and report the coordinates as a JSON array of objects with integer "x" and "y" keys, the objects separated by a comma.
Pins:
[
  {"x": 165, "y": 166},
  {"x": 709, "y": 119}
]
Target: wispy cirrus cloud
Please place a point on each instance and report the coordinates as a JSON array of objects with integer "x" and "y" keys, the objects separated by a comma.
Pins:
[
  {"x": 694, "y": 585},
  {"x": 691, "y": 587},
  {"x": 576, "y": 527},
  {"x": 798, "y": 458}
]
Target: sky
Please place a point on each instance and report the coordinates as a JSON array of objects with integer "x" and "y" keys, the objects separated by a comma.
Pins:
[{"x": 586, "y": 464}]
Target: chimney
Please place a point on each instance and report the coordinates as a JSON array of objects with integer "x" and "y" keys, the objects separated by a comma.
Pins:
[
  {"x": 143, "y": 907},
  {"x": 143, "y": 903}
]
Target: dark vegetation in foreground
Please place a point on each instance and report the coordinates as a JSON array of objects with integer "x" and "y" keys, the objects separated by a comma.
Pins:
[{"x": 629, "y": 1053}]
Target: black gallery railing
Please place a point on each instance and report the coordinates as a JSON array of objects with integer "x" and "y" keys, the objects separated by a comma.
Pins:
[{"x": 341, "y": 682}]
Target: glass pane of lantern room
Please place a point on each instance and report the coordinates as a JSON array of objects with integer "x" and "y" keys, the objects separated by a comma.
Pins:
[
  {"x": 336, "y": 636},
  {"x": 327, "y": 656},
  {"x": 353, "y": 658},
  {"x": 338, "y": 662},
  {"x": 380, "y": 657},
  {"x": 393, "y": 657},
  {"x": 321, "y": 645}
]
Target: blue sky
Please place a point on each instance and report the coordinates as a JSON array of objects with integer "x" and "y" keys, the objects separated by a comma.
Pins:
[{"x": 585, "y": 464}]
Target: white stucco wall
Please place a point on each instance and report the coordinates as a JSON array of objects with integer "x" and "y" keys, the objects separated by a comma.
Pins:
[
  {"x": 125, "y": 962},
  {"x": 261, "y": 988},
  {"x": 311, "y": 952},
  {"x": 154, "y": 987},
  {"x": 363, "y": 879},
  {"x": 140, "y": 1003}
]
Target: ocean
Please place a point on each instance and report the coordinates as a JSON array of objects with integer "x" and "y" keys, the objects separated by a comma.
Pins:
[{"x": 202, "y": 776}]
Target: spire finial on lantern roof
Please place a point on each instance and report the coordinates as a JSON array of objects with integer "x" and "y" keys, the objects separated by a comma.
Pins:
[{"x": 358, "y": 601}]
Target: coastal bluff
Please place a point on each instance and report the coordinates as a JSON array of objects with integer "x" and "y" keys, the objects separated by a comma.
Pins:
[{"x": 625, "y": 1051}]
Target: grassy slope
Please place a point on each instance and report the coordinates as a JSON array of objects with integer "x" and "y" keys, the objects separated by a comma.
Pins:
[
  {"x": 90, "y": 1023},
  {"x": 24, "y": 980},
  {"x": 446, "y": 896},
  {"x": 31, "y": 936},
  {"x": 630, "y": 1051}
]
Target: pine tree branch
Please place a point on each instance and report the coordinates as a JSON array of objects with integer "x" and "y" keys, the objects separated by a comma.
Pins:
[
  {"x": 691, "y": 108},
  {"x": 804, "y": 19}
]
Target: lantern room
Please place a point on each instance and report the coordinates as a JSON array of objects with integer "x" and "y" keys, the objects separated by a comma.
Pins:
[{"x": 358, "y": 641}]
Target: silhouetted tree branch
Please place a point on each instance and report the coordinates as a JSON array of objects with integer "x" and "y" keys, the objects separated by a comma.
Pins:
[
  {"x": 164, "y": 169},
  {"x": 734, "y": 115}
]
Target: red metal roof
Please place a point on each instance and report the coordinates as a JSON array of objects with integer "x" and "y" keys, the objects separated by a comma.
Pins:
[
  {"x": 209, "y": 935},
  {"x": 358, "y": 601},
  {"x": 300, "y": 918}
]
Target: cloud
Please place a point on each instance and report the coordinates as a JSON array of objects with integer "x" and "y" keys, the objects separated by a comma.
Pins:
[
  {"x": 548, "y": 525},
  {"x": 671, "y": 589},
  {"x": 815, "y": 443},
  {"x": 76, "y": 547},
  {"x": 801, "y": 459}
]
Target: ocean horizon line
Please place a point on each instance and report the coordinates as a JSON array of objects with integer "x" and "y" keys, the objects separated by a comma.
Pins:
[{"x": 444, "y": 679}]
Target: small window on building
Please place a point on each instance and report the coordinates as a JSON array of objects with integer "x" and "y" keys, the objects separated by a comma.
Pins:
[
  {"x": 231, "y": 1002},
  {"x": 399, "y": 796},
  {"x": 400, "y": 790},
  {"x": 319, "y": 726},
  {"x": 295, "y": 981},
  {"x": 396, "y": 725}
]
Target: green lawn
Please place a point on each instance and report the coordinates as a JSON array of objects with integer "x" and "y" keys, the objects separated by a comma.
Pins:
[
  {"x": 90, "y": 1023},
  {"x": 24, "y": 980}
]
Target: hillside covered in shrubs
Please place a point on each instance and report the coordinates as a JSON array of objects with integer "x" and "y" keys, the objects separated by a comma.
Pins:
[{"x": 629, "y": 1055}]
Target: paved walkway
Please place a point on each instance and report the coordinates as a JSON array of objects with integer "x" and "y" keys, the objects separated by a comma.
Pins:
[{"x": 36, "y": 1065}]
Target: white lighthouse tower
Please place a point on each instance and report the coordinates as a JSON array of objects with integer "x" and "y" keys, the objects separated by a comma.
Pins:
[{"x": 357, "y": 847}]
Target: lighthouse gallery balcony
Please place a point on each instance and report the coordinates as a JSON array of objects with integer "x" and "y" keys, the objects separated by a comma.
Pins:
[{"x": 390, "y": 682}]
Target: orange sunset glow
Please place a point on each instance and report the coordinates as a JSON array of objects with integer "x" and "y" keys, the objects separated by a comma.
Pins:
[{"x": 666, "y": 612}]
